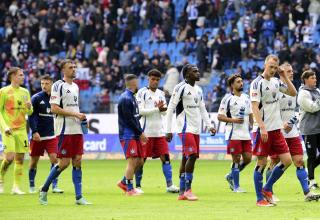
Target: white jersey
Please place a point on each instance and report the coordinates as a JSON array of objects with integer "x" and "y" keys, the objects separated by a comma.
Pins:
[
  {"x": 67, "y": 97},
  {"x": 234, "y": 106},
  {"x": 268, "y": 93},
  {"x": 189, "y": 105},
  {"x": 151, "y": 120},
  {"x": 288, "y": 106}
]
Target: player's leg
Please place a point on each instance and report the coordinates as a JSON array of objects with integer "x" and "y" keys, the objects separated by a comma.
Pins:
[
  {"x": 258, "y": 180},
  {"x": 32, "y": 173},
  {"x": 277, "y": 172},
  {"x": 167, "y": 172},
  {"x": 18, "y": 172},
  {"x": 182, "y": 176},
  {"x": 235, "y": 171},
  {"x": 139, "y": 174},
  {"x": 132, "y": 164},
  {"x": 8, "y": 143},
  {"x": 311, "y": 148},
  {"x": 54, "y": 161},
  {"x": 7, "y": 160},
  {"x": 190, "y": 164}
]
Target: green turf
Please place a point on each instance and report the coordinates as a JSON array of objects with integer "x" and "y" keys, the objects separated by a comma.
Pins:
[{"x": 99, "y": 186}]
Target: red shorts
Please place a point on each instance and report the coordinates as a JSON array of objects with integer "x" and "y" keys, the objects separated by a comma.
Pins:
[
  {"x": 37, "y": 148},
  {"x": 275, "y": 145},
  {"x": 70, "y": 145},
  {"x": 133, "y": 148},
  {"x": 190, "y": 144},
  {"x": 239, "y": 147},
  {"x": 295, "y": 147},
  {"x": 156, "y": 147}
]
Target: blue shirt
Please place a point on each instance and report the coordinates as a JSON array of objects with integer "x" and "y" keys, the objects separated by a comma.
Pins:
[
  {"x": 41, "y": 120},
  {"x": 128, "y": 117}
]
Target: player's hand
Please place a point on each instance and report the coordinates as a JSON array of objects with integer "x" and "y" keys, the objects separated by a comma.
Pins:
[
  {"x": 143, "y": 138},
  {"x": 161, "y": 106},
  {"x": 8, "y": 131},
  {"x": 81, "y": 116},
  {"x": 286, "y": 127},
  {"x": 238, "y": 120},
  {"x": 169, "y": 137},
  {"x": 213, "y": 131},
  {"x": 264, "y": 135},
  {"x": 28, "y": 105},
  {"x": 36, "y": 136},
  {"x": 281, "y": 72}
]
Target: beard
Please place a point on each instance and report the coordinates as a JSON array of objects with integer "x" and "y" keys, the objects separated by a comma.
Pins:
[{"x": 240, "y": 89}]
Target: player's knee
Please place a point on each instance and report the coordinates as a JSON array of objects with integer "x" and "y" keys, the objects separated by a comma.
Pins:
[
  {"x": 166, "y": 159},
  {"x": 192, "y": 157},
  {"x": 287, "y": 162},
  {"x": 236, "y": 158},
  {"x": 298, "y": 162},
  {"x": 246, "y": 160}
]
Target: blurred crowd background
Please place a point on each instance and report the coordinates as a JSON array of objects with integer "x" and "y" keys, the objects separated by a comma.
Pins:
[{"x": 110, "y": 38}]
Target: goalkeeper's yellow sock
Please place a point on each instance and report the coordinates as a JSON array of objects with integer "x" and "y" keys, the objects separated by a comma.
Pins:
[
  {"x": 18, "y": 171},
  {"x": 3, "y": 169}
]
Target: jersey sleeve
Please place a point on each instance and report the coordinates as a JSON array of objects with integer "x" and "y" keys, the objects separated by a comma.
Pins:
[
  {"x": 28, "y": 111},
  {"x": 255, "y": 94},
  {"x": 283, "y": 87},
  {"x": 142, "y": 103},
  {"x": 3, "y": 124},
  {"x": 204, "y": 112},
  {"x": 306, "y": 103},
  {"x": 223, "y": 107},
  {"x": 174, "y": 100},
  {"x": 34, "y": 117},
  {"x": 55, "y": 93}
]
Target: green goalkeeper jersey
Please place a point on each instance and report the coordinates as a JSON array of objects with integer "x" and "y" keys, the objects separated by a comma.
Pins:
[{"x": 13, "y": 108}]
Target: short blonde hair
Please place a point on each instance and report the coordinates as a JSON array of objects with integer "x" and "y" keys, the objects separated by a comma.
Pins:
[{"x": 272, "y": 57}]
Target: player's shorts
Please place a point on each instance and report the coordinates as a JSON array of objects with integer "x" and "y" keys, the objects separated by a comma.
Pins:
[
  {"x": 295, "y": 147},
  {"x": 70, "y": 145},
  {"x": 190, "y": 144},
  {"x": 17, "y": 142},
  {"x": 156, "y": 146},
  {"x": 133, "y": 148},
  {"x": 37, "y": 148},
  {"x": 239, "y": 146},
  {"x": 275, "y": 145}
]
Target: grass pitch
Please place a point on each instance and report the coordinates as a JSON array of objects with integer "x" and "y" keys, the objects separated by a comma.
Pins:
[{"x": 216, "y": 201}]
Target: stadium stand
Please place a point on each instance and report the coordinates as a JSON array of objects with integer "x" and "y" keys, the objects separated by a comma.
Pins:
[{"x": 220, "y": 36}]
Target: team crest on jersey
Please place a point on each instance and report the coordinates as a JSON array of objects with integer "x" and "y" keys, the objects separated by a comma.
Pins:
[
  {"x": 283, "y": 96},
  {"x": 48, "y": 110},
  {"x": 19, "y": 102},
  {"x": 150, "y": 98},
  {"x": 277, "y": 86},
  {"x": 75, "y": 98},
  {"x": 274, "y": 94},
  {"x": 196, "y": 100},
  {"x": 68, "y": 91},
  {"x": 267, "y": 88},
  {"x": 289, "y": 103}
]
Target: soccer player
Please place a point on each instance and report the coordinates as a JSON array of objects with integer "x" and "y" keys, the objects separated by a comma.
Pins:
[
  {"x": 14, "y": 106},
  {"x": 187, "y": 101},
  {"x": 64, "y": 102},
  {"x": 235, "y": 110},
  {"x": 152, "y": 106},
  {"x": 265, "y": 92},
  {"x": 309, "y": 102},
  {"x": 130, "y": 134},
  {"x": 43, "y": 138},
  {"x": 288, "y": 105}
]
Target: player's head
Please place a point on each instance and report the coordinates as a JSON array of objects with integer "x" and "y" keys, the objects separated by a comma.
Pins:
[
  {"x": 46, "y": 83},
  {"x": 235, "y": 82},
  {"x": 154, "y": 78},
  {"x": 190, "y": 73},
  {"x": 68, "y": 68},
  {"x": 131, "y": 82},
  {"x": 271, "y": 65},
  {"x": 309, "y": 78},
  {"x": 287, "y": 69},
  {"x": 16, "y": 76}
]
